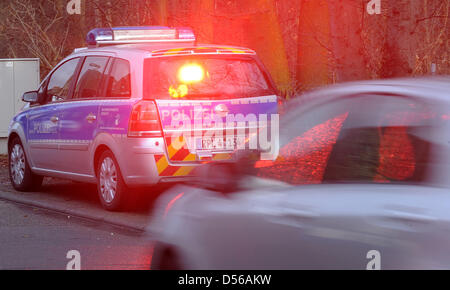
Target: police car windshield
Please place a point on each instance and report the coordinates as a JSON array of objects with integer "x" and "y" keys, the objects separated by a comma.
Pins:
[{"x": 204, "y": 77}]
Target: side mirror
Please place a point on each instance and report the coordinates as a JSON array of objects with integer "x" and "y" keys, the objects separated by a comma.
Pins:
[
  {"x": 218, "y": 176},
  {"x": 30, "y": 97},
  {"x": 227, "y": 177}
]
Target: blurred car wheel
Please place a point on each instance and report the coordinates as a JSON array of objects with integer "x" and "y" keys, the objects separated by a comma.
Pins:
[
  {"x": 112, "y": 190},
  {"x": 165, "y": 258},
  {"x": 220, "y": 177},
  {"x": 21, "y": 176}
]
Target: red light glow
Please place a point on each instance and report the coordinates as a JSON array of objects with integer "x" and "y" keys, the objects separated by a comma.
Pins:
[{"x": 172, "y": 202}]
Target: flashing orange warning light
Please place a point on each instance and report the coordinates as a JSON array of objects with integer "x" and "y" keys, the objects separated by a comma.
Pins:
[
  {"x": 179, "y": 92},
  {"x": 191, "y": 73}
]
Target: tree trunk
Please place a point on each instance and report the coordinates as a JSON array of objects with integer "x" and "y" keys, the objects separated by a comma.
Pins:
[
  {"x": 347, "y": 43},
  {"x": 313, "y": 44},
  {"x": 262, "y": 31},
  {"x": 159, "y": 12},
  {"x": 397, "y": 47}
]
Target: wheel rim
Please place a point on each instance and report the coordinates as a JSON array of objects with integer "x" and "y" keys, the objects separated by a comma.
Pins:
[
  {"x": 17, "y": 164},
  {"x": 108, "y": 180}
]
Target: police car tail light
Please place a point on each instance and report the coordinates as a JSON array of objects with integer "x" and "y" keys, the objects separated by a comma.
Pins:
[
  {"x": 138, "y": 34},
  {"x": 144, "y": 120}
]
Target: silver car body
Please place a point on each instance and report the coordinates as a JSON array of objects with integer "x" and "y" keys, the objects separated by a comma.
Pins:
[{"x": 273, "y": 225}]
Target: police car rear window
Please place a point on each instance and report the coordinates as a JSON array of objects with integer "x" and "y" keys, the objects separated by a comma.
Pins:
[{"x": 204, "y": 77}]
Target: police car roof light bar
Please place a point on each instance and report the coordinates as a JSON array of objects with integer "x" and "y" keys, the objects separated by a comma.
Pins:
[{"x": 138, "y": 34}]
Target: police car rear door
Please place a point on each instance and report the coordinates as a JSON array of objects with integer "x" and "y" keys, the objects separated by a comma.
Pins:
[{"x": 211, "y": 100}]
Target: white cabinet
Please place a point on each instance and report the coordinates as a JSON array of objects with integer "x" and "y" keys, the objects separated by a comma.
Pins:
[{"x": 17, "y": 76}]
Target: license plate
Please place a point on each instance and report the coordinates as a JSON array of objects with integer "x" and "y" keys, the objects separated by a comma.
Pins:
[{"x": 217, "y": 143}]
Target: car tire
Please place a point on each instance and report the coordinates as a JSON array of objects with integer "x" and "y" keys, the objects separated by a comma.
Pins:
[
  {"x": 165, "y": 259},
  {"x": 221, "y": 177},
  {"x": 113, "y": 193},
  {"x": 20, "y": 174}
]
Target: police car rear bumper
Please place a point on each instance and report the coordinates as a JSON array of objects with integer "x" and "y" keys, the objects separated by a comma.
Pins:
[{"x": 147, "y": 164}]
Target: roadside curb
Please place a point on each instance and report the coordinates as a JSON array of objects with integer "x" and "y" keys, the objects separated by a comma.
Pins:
[{"x": 107, "y": 218}]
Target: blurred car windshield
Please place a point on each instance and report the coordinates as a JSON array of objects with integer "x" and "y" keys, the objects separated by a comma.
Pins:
[
  {"x": 204, "y": 77},
  {"x": 363, "y": 139}
]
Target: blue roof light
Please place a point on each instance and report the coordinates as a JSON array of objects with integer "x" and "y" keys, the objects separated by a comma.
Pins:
[{"x": 138, "y": 34}]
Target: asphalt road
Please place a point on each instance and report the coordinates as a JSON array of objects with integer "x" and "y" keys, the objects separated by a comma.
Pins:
[
  {"x": 80, "y": 199},
  {"x": 32, "y": 238}
]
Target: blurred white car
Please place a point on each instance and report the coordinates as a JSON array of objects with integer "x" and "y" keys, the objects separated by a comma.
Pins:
[{"x": 362, "y": 166}]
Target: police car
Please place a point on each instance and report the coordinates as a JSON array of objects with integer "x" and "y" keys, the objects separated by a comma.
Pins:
[{"x": 139, "y": 106}]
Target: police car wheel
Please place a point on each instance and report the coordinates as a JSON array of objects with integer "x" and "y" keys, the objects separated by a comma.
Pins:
[
  {"x": 111, "y": 187},
  {"x": 20, "y": 174}
]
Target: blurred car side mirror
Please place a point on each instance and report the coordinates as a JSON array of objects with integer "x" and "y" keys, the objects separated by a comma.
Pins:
[
  {"x": 227, "y": 176},
  {"x": 30, "y": 97}
]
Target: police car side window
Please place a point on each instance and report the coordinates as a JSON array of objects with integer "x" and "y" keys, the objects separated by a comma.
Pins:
[
  {"x": 60, "y": 82},
  {"x": 89, "y": 81},
  {"x": 119, "y": 80}
]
